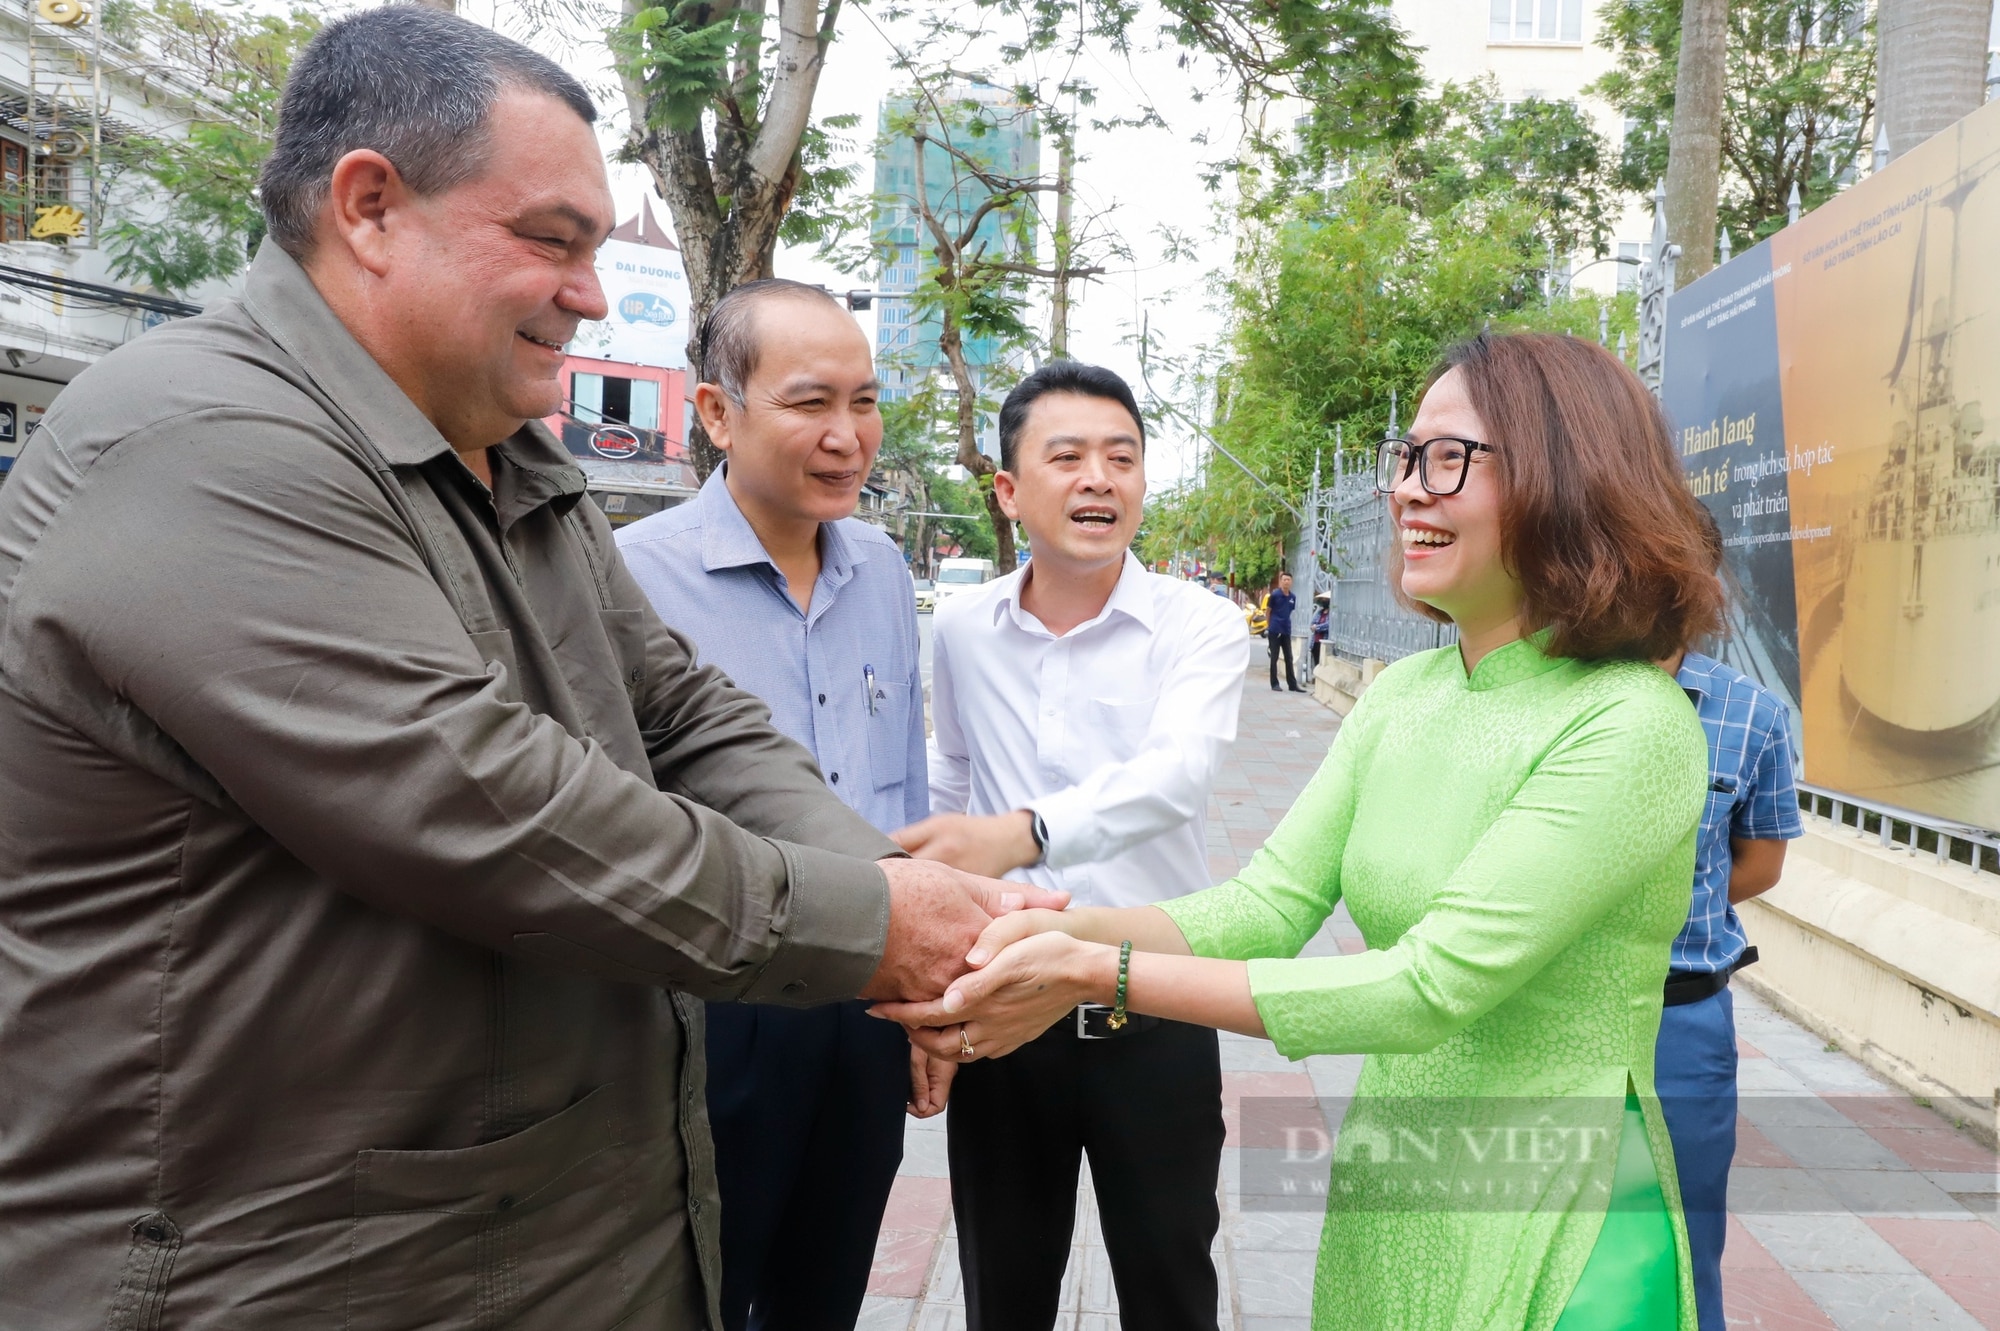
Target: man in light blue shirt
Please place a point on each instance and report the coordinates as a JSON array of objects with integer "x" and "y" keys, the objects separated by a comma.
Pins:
[
  {"x": 1752, "y": 811},
  {"x": 775, "y": 581}
]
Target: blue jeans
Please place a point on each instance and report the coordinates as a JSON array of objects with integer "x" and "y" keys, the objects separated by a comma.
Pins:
[{"x": 1694, "y": 1066}]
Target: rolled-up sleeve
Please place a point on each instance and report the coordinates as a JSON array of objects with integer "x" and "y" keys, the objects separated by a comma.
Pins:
[{"x": 286, "y": 634}]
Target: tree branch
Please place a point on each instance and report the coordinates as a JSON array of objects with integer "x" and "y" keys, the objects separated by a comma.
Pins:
[
  {"x": 795, "y": 73},
  {"x": 1030, "y": 270}
]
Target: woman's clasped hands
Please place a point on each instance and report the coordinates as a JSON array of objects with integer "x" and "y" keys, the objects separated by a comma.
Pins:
[{"x": 1025, "y": 972}]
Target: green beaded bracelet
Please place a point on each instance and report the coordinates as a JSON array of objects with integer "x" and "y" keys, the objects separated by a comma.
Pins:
[{"x": 1117, "y": 1018}]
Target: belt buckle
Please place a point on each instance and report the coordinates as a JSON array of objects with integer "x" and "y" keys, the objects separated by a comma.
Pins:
[{"x": 1083, "y": 1011}]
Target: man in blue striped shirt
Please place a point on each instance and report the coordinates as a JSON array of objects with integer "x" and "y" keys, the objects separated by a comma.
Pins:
[
  {"x": 1752, "y": 811},
  {"x": 812, "y": 610}
]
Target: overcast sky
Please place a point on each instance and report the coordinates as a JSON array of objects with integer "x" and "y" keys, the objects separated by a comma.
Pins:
[{"x": 1139, "y": 180}]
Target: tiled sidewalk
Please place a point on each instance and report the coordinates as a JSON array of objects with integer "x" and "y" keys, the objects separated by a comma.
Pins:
[{"x": 1856, "y": 1208}]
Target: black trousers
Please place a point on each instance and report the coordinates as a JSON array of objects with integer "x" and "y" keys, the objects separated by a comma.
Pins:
[
  {"x": 807, "y": 1111},
  {"x": 1282, "y": 644},
  {"x": 1147, "y": 1109}
]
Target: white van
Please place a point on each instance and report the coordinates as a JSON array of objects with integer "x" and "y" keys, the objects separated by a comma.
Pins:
[{"x": 962, "y": 575}]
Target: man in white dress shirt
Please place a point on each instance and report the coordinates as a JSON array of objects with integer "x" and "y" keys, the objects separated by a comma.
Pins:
[{"x": 1080, "y": 708}]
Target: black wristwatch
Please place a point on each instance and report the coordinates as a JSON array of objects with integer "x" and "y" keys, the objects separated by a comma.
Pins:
[{"x": 1039, "y": 830}]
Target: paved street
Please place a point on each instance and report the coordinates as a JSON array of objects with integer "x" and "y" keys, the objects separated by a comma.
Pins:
[{"x": 1857, "y": 1209}]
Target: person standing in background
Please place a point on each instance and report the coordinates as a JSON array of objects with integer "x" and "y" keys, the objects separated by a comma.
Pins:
[
  {"x": 777, "y": 583},
  {"x": 1751, "y": 812},
  {"x": 1278, "y": 630},
  {"x": 1081, "y": 708}
]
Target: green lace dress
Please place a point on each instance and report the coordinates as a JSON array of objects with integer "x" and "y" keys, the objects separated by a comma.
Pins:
[{"x": 1517, "y": 848}]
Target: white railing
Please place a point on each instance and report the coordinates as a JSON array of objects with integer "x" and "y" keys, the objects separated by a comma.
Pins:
[{"x": 1895, "y": 828}]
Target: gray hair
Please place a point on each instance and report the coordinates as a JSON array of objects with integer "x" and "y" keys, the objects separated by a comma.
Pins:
[
  {"x": 411, "y": 83},
  {"x": 729, "y": 338}
]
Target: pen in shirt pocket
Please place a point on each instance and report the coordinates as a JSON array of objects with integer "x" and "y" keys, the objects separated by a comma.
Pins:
[{"x": 868, "y": 686}]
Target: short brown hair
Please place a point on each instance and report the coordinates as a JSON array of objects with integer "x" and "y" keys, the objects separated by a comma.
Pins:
[{"x": 1597, "y": 523}]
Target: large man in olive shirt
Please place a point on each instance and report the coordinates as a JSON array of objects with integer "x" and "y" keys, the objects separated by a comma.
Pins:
[{"x": 365, "y": 839}]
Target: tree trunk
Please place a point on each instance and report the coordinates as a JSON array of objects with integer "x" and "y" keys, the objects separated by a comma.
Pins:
[
  {"x": 729, "y": 196},
  {"x": 969, "y": 457},
  {"x": 1931, "y": 66},
  {"x": 1064, "y": 247},
  {"x": 1694, "y": 152}
]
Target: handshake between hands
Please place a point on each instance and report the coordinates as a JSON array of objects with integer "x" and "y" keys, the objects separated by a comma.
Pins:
[{"x": 975, "y": 968}]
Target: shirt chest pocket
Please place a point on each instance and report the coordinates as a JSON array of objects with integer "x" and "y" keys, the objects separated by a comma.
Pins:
[
  {"x": 1723, "y": 789},
  {"x": 889, "y": 733},
  {"x": 1115, "y": 726}
]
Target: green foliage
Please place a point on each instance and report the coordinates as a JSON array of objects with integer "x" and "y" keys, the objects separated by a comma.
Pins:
[
  {"x": 1445, "y": 225},
  {"x": 203, "y": 221},
  {"x": 971, "y": 533},
  {"x": 819, "y": 215},
  {"x": 918, "y": 441},
  {"x": 1470, "y": 144},
  {"x": 702, "y": 70},
  {"x": 914, "y": 435},
  {"x": 1799, "y": 100},
  {"x": 1354, "y": 295},
  {"x": 686, "y": 56},
  {"x": 1346, "y": 61},
  {"x": 1577, "y": 316}
]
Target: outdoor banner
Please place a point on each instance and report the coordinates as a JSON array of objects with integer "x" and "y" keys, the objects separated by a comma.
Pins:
[
  {"x": 1835, "y": 395},
  {"x": 647, "y": 291}
]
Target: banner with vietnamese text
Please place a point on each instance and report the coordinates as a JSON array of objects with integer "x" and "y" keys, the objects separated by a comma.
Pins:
[{"x": 1835, "y": 396}]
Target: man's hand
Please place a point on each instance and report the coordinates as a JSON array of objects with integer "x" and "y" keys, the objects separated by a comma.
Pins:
[
  {"x": 930, "y": 1084},
  {"x": 936, "y": 914},
  {"x": 1023, "y": 991},
  {"x": 991, "y": 845}
]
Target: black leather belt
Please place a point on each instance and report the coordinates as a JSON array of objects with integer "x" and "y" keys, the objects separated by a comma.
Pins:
[
  {"x": 1684, "y": 987},
  {"x": 1093, "y": 1022}
]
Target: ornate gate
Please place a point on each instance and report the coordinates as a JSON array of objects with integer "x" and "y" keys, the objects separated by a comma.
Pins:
[{"x": 1343, "y": 550}]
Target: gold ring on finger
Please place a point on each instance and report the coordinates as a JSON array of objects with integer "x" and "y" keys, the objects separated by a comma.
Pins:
[{"x": 964, "y": 1044}]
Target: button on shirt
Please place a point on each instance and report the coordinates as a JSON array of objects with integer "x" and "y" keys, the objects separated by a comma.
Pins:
[
  {"x": 1750, "y": 795},
  {"x": 841, "y": 678},
  {"x": 1111, "y": 732}
]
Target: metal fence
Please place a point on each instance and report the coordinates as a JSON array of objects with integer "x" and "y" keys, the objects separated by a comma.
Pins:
[{"x": 1351, "y": 534}]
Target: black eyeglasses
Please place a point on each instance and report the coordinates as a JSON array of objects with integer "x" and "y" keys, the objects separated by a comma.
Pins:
[{"x": 1441, "y": 464}]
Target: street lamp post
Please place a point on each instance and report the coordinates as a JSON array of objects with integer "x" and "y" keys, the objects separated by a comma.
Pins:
[{"x": 1570, "y": 281}]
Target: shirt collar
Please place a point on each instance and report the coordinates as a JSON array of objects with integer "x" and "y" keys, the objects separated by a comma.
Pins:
[
  {"x": 286, "y": 304},
  {"x": 531, "y": 469},
  {"x": 1520, "y": 659},
  {"x": 1697, "y": 674},
  {"x": 729, "y": 541},
  {"x": 1131, "y": 596}
]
